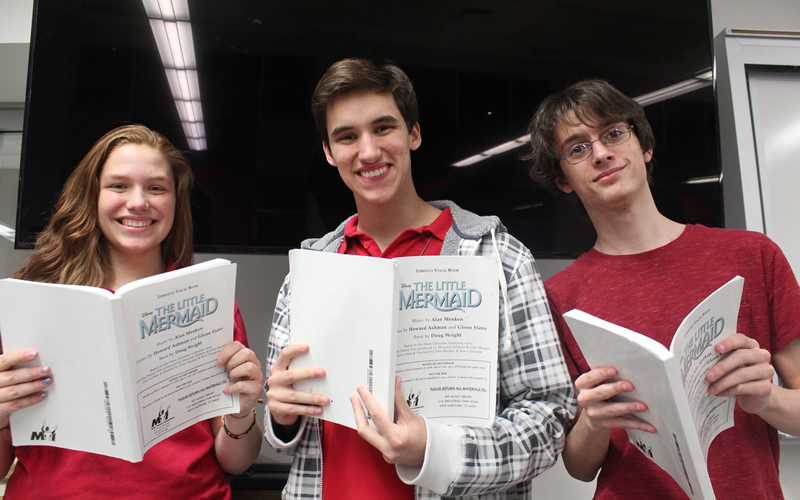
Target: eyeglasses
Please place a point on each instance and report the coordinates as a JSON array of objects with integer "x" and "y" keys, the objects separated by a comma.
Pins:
[{"x": 614, "y": 137}]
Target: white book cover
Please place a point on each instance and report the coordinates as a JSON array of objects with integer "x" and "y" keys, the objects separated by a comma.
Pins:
[
  {"x": 129, "y": 368},
  {"x": 431, "y": 320},
  {"x": 671, "y": 382}
]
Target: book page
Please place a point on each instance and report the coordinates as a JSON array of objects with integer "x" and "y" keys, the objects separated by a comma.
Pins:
[
  {"x": 712, "y": 321},
  {"x": 653, "y": 371},
  {"x": 342, "y": 305},
  {"x": 447, "y": 337},
  {"x": 175, "y": 328},
  {"x": 129, "y": 369},
  {"x": 71, "y": 328},
  {"x": 348, "y": 309}
]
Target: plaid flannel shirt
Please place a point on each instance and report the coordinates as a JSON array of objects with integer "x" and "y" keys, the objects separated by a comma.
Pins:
[{"x": 536, "y": 398}]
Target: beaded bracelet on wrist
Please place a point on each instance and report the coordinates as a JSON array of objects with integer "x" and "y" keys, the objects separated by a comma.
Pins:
[{"x": 239, "y": 436}]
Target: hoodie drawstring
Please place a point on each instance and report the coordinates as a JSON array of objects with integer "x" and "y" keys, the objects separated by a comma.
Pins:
[{"x": 504, "y": 289}]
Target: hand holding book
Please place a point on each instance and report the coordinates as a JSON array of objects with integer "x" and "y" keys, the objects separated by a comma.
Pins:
[
  {"x": 21, "y": 387},
  {"x": 431, "y": 320},
  {"x": 153, "y": 366},
  {"x": 401, "y": 440},
  {"x": 596, "y": 392},
  {"x": 635, "y": 377},
  {"x": 287, "y": 404},
  {"x": 244, "y": 371},
  {"x": 746, "y": 373}
]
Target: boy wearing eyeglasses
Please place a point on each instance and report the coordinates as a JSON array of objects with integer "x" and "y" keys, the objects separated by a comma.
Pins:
[
  {"x": 366, "y": 114},
  {"x": 646, "y": 272}
]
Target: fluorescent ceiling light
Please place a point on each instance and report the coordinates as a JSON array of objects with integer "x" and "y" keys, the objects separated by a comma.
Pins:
[
  {"x": 681, "y": 88},
  {"x": 702, "y": 79},
  {"x": 707, "y": 75},
  {"x": 711, "y": 179},
  {"x": 172, "y": 30},
  {"x": 502, "y": 148},
  {"x": 7, "y": 232}
]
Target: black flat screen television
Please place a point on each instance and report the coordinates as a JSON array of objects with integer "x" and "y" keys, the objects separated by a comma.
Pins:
[{"x": 263, "y": 183}]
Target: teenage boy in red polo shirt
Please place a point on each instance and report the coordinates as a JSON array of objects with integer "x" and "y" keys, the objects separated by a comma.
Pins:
[{"x": 366, "y": 114}]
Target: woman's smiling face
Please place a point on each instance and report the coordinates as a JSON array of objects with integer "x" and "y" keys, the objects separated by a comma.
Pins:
[{"x": 136, "y": 205}]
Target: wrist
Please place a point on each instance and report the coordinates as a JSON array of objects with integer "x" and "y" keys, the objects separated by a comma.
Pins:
[
  {"x": 238, "y": 435},
  {"x": 286, "y": 432},
  {"x": 241, "y": 415}
]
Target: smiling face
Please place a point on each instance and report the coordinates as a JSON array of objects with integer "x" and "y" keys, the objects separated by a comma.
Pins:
[
  {"x": 136, "y": 205},
  {"x": 610, "y": 175},
  {"x": 371, "y": 146}
]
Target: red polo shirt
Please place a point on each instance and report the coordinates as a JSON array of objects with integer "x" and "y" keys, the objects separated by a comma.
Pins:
[{"x": 352, "y": 467}]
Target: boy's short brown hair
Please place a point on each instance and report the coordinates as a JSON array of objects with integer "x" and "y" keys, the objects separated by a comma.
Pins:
[{"x": 349, "y": 75}]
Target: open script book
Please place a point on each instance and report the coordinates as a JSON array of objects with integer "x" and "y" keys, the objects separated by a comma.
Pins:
[
  {"x": 430, "y": 320},
  {"x": 129, "y": 368},
  {"x": 672, "y": 383}
]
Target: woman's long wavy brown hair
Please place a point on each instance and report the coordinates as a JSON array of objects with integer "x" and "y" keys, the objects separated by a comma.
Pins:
[{"x": 71, "y": 249}]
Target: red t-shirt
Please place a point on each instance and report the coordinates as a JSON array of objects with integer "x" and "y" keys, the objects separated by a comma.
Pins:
[
  {"x": 181, "y": 466},
  {"x": 651, "y": 293},
  {"x": 353, "y": 468}
]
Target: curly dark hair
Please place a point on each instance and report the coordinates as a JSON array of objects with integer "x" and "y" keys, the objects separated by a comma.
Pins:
[{"x": 595, "y": 103}]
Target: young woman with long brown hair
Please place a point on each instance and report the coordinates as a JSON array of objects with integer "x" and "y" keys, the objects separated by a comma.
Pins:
[{"x": 123, "y": 215}]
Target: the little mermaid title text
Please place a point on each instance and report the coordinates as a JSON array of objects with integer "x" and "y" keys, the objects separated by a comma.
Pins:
[
  {"x": 442, "y": 295},
  {"x": 705, "y": 335},
  {"x": 181, "y": 314}
]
